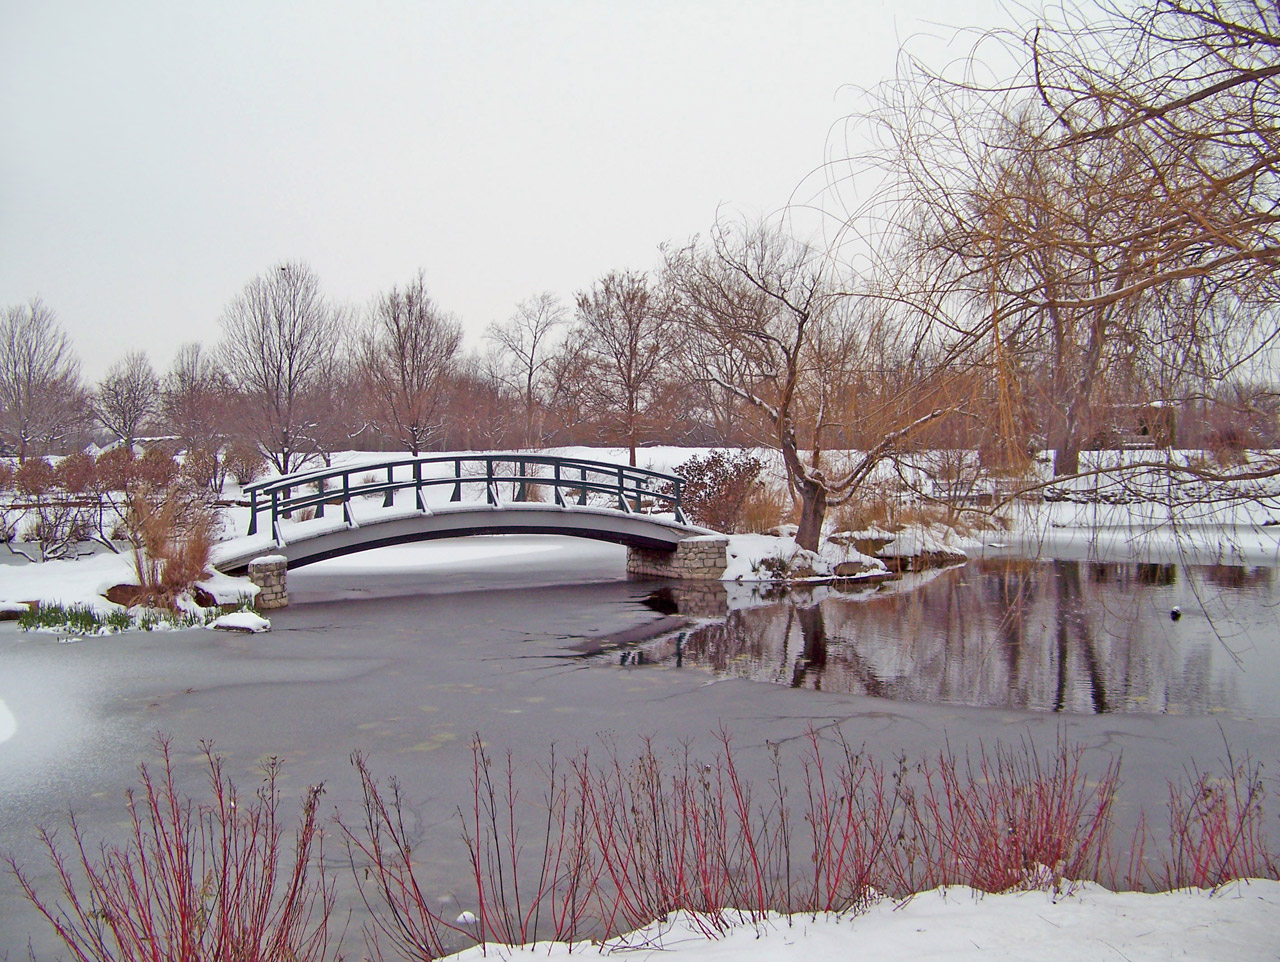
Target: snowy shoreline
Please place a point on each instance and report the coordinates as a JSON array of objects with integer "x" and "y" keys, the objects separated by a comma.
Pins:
[{"x": 1235, "y": 921}]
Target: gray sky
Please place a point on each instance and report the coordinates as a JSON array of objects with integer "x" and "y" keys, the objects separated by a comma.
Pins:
[{"x": 158, "y": 155}]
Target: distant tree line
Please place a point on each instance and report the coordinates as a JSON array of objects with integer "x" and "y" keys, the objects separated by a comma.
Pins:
[{"x": 298, "y": 377}]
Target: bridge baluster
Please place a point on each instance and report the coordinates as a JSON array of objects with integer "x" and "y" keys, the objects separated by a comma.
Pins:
[
  {"x": 346, "y": 499},
  {"x": 522, "y": 492},
  {"x": 389, "y": 498},
  {"x": 320, "y": 503},
  {"x": 253, "y": 512},
  {"x": 582, "y": 491},
  {"x": 457, "y": 485},
  {"x": 490, "y": 494},
  {"x": 417, "y": 486}
]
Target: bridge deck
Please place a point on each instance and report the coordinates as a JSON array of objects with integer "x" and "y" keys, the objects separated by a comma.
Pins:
[{"x": 306, "y": 542}]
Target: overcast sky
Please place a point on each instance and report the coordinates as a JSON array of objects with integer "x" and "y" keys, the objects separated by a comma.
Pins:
[{"x": 158, "y": 155}]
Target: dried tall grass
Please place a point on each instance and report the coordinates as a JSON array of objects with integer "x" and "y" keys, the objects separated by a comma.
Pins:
[{"x": 172, "y": 529}]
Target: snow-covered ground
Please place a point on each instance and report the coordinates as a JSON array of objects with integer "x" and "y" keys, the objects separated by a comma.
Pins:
[{"x": 1237, "y": 922}]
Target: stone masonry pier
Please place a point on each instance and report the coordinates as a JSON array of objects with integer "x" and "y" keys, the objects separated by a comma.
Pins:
[
  {"x": 702, "y": 558},
  {"x": 270, "y": 574}
]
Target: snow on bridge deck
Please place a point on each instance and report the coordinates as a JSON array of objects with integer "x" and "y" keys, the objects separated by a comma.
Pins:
[{"x": 306, "y": 542}]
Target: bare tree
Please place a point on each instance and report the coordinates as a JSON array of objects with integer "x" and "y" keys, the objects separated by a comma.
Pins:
[
  {"x": 1189, "y": 91},
  {"x": 1036, "y": 236},
  {"x": 41, "y": 399},
  {"x": 194, "y": 397},
  {"x": 338, "y": 393},
  {"x": 820, "y": 369},
  {"x": 407, "y": 350},
  {"x": 623, "y": 342},
  {"x": 127, "y": 396},
  {"x": 277, "y": 335},
  {"x": 480, "y": 414},
  {"x": 522, "y": 353},
  {"x": 197, "y": 401},
  {"x": 568, "y": 378}
]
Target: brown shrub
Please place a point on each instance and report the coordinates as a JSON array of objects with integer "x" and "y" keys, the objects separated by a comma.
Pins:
[
  {"x": 187, "y": 559},
  {"x": 245, "y": 462},
  {"x": 76, "y": 473},
  {"x": 871, "y": 509},
  {"x": 766, "y": 507},
  {"x": 157, "y": 467},
  {"x": 6, "y": 475},
  {"x": 115, "y": 469},
  {"x": 34, "y": 477},
  {"x": 200, "y": 466},
  {"x": 1228, "y": 446},
  {"x": 718, "y": 487},
  {"x": 889, "y": 515}
]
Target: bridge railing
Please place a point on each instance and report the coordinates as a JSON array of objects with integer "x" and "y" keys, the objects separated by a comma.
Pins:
[{"x": 571, "y": 480}]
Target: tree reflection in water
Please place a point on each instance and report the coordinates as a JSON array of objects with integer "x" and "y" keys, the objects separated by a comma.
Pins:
[{"x": 1058, "y": 636}]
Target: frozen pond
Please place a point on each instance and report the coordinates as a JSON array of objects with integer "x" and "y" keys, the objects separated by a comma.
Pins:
[{"x": 405, "y": 657}]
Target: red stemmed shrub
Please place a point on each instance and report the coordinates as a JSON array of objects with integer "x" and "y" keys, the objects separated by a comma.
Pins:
[{"x": 195, "y": 882}]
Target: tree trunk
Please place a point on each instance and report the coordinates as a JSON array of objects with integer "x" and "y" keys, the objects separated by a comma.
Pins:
[
  {"x": 1066, "y": 456},
  {"x": 813, "y": 511},
  {"x": 813, "y": 629}
]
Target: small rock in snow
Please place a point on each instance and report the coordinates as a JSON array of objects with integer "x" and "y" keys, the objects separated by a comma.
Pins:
[
  {"x": 466, "y": 918},
  {"x": 241, "y": 621}
]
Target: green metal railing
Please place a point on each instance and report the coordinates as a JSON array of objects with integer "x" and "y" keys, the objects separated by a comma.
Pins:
[{"x": 571, "y": 479}]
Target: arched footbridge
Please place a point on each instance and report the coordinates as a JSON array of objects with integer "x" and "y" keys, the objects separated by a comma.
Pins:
[{"x": 309, "y": 516}]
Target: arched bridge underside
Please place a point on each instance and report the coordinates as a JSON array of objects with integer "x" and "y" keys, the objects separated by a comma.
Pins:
[{"x": 313, "y": 541}]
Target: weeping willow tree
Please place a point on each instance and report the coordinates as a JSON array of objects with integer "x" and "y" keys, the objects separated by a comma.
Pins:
[{"x": 1103, "y": 218}]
